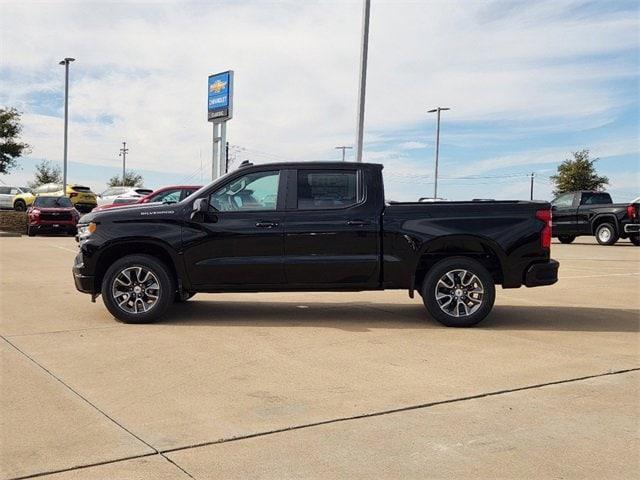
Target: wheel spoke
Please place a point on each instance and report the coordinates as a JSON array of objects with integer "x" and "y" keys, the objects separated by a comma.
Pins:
[
  {"x": 136, "y": 289},
  {"x": 459, "y": 292}
]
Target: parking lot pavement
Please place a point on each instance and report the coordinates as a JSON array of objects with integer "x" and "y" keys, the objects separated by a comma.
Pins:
[{"x": 230, "y": 366}]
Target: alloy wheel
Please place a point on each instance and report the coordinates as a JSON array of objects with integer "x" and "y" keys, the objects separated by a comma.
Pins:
[
  {"x": 136, "y": 289},
  {"x": 459, "y": 293}
]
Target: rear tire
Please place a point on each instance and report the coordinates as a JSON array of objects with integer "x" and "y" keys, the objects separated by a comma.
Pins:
[
  {"x": 463, "y": 281},
  {"x": 566, "y": 238},
  {"x": 138, "y": 289},
  {"x": 606, "y": 234},
  {"x": 635, "y": 239}
]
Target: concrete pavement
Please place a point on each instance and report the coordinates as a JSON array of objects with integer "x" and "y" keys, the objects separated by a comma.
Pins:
[{"x": 240, "y": 365}]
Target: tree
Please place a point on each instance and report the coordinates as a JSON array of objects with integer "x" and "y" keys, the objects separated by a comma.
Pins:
[
  {"x": 11, "y": 147},
  {"x": 131, "y": 179},
  {"x": 578, "y": 173},
  {"x": 46, "y": 172}
]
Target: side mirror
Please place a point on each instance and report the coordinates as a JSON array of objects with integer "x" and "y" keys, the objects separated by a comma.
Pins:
[{"x": 200, "y": 207}]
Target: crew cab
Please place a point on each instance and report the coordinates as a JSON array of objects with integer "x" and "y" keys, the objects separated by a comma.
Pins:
[
  {"x": 595, "y": 214},
  {"x": 312, "y": 226}
]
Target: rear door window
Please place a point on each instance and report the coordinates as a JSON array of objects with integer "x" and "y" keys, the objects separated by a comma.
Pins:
[
  {"x": 595, "y": 198},
  {"x": 327, "y": 189}
]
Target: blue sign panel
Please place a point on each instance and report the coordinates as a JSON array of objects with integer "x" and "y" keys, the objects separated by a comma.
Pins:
[{"x": 220, "y": 96}]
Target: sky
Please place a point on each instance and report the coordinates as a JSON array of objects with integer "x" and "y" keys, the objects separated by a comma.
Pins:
[{"x": 527, "y": 84}]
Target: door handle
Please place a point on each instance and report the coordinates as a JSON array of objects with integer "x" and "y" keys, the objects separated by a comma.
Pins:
[
  {"x": 266, "y": 224},
  {"x": 357, "y": 223}
]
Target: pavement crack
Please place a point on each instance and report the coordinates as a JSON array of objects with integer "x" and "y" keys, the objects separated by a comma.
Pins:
[
  {"x": 79, "y": 395},
  {"x": 399, "y": 410}
]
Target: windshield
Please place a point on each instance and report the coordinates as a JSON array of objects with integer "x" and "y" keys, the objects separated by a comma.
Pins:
[
  {"x": 52, "y": 202},
  {"x": 26, "y": 190}
]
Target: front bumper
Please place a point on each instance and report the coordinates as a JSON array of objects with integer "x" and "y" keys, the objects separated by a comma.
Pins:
[
  {"x": 539, "y": 274},
  {"x": 84, "y": 283},
  {"x": 632, "y": 228}
]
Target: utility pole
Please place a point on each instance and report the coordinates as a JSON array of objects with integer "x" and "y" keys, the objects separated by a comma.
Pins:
[
  {"x": 435, "y": 184},
  {"x": 362, "y": 86},
  {"x": 123, "y": 154},
  {"x": 66, "y": 63},
  {"x": 343, "y": 148},
  {"x": 532, "y": 177}
]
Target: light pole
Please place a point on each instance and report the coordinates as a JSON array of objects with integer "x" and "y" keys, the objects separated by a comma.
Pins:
[
  {"x": 123, "y": 154},
  {"x": 435, "y": 184},
  {"x": 362, "y": 86},
  {"x": 343, "y": 148},
  {"x": 66, "y": 63}
]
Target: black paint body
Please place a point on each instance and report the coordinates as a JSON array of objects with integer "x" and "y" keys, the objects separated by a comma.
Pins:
[
  {"x": 367, "y": 246},
  {"x": 579, "y": 218}
]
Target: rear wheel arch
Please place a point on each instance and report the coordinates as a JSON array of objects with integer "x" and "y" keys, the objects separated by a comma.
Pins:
[
  {"x": 476, "y": 248},
  {"x": 604, "y": 218}
]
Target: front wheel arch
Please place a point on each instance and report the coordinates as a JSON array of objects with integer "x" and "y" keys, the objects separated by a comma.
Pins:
[{"x": 116, "y": 251}]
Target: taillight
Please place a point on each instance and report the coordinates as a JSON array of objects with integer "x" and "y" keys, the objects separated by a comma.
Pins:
[
  {"x": 73, "y": 194},
  {"x": 545, "y": 233},
  {"x": 631, "y": 212}
]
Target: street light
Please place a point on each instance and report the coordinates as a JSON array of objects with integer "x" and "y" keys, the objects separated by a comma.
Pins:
[
  {"x": 66, "y": 63},
  {"x": 362, "y": 84},
  {"x": 435, "y": 184}
]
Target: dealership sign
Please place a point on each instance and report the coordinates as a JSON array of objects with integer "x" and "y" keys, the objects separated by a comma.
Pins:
[{"x": 220, "y": 96}]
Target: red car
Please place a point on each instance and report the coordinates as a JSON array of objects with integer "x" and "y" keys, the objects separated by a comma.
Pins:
[
  {"x": 172, "y": 194},
  {"x": 52, "y": 214}
]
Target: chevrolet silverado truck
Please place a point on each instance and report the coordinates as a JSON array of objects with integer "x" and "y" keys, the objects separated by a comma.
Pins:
[
  {"x": 312, "y": 226},
  {"x": 594, "y": 214}
]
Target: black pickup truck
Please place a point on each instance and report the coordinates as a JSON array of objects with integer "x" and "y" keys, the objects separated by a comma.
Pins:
[
  {"x": 312, "y": 226},
  {"x": 594, "y": 213}
]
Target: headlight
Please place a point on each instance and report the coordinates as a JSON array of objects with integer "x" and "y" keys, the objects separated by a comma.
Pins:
[{"x": 85, "y": 230}]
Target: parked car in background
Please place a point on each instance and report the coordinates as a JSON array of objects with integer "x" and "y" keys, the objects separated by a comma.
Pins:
[
  {"x": 82, "y": 198},
  {"x": 594, "y": 214},
  {"x": 52, "y": 213},
  {"x": 111, "y": 193},
  {"x": 8, "y": 193},
  {"x": 312, "y": 226},
  {"x": 172, "y": 194}
]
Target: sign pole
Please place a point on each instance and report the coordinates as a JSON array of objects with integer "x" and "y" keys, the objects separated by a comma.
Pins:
[
  {"x": 223, "y": 148},
  {"x": 215, "y": 160}
]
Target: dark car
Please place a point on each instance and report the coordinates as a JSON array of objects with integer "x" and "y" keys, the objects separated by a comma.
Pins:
[
  {"x": 312, "y": 226},
  {"x": 52, "y": 214},
  {"x": 594, "y": 214},
  {"x": 172, "y": 194}
]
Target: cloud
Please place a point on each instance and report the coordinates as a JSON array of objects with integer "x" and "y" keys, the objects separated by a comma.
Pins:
[
  {"x": 412, "y": 145},
  {"x": 141, "y": 71}
]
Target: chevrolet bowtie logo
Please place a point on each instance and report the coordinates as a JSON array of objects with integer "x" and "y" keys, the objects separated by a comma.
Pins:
[{"x": 217, "y": 86}]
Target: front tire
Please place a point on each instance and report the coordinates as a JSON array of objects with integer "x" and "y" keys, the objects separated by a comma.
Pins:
[
  {"x": 20, "y": 206},
  {"x": 138, "y": 289},
  {"x": 458, "y": 292},
  {"x": 31, "y": 231},
  {"x": 566, "y": 238},
  {"x": 635, "y": 239},
  {"x": 606, "y": 234}
]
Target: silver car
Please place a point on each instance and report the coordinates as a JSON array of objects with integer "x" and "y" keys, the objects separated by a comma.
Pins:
[{"x": 7, "y": 193}]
